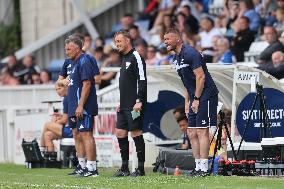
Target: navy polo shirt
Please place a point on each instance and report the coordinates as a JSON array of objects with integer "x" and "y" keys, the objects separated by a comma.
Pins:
[
  {"x": 82, "y": 69},
  {"x": 188, "y": 60}
]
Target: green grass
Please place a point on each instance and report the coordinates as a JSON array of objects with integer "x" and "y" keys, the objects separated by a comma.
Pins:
[{"x": 16, "y": 176}]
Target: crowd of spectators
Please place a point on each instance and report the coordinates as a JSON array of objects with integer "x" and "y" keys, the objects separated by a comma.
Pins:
[
  {"x": 222, "y": 37},
  {"x": 23, "y": 72}
]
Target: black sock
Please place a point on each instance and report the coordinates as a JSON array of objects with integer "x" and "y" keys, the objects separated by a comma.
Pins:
[
  {"x": 140, "y": 149},
  {"x": 124, "y": 152}
]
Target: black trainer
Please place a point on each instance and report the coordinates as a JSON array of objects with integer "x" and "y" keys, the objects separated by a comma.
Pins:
[
  {"x": 121, "y": 173},
  {"x": 202, "y": 174},
  {"x": 86, "y": 173},
  {"x": 137, "y": 173},
  {"x": 78, "y": 170},
  {"x": 192, "y": 173}
]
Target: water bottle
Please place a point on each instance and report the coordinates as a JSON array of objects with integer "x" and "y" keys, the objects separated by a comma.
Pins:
[{"x": 177, "y": 171}]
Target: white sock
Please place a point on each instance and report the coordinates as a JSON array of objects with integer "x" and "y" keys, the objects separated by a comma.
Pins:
[
  {"x": 204, "y": 165},
  {"x": 91, "y": 165},
  {"x": 82, "y": 162},
  {"x": 197, "y": 164}
]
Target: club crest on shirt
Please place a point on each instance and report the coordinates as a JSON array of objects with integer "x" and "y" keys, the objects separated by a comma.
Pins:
[
  {"x": 81, "y": 127},
  {"x": 127, "y": 64}
]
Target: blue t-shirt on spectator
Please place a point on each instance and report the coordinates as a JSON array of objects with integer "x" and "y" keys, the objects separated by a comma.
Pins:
[
  {"x": 82, "y": 69},
  {"x": 227, "y": 58},
  {"x": 254, "y": 19}
]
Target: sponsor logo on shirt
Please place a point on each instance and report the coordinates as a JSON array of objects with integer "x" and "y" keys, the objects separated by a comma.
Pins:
[
  {"x": 127, "y": 64},
  {"x": 203, "y": 122}
]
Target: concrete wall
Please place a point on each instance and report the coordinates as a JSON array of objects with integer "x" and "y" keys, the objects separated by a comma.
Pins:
[
  {"x": 6, "y": 11},
  {"x": 40, "y": 18}
]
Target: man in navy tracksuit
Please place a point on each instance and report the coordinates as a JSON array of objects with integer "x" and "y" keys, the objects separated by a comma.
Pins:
[{"x": 201, "y": 97}]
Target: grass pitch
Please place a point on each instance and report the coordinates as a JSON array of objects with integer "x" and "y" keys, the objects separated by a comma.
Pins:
[{"x": 17, "y": 176}]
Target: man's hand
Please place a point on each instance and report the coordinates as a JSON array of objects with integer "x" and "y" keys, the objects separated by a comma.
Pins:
[
  {"x": 117, "y": 109},
  {"x": 79, "y": 112},
  {"x": 195, "y": 106},
  {"x": 138, "y": 106}
]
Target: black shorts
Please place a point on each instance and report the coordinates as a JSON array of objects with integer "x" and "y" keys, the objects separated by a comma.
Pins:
[{"x": 125, "y": 121}]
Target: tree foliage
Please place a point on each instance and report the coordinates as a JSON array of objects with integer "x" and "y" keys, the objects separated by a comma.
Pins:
[{"x": 10, "y": 36}]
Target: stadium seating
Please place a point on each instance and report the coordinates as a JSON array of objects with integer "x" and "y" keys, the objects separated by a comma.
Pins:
[{"x": 254, "y": 50}]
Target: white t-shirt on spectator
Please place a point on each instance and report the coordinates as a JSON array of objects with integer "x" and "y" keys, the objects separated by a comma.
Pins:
[
  {"x": 206, "y": 39},
  {"x": 165, "y": 4}
]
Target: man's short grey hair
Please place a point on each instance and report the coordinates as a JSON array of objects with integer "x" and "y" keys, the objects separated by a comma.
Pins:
[{"x": 74, "y": 39}]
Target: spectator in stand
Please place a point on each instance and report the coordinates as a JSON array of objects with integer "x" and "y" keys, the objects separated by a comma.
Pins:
[
  {"x": 191, "y": 21},
  {"x": 280, "y": 3},
  {"x": 150, "y": 12},
  {"x": 243, "y": 39},
  {"x": 279, "y": 25},
  {"x": 270, "y": 35},
  {"x": 114, "y": 60},
  {"x": 206, "y": 35},
  {"x": 135, "y": 34},
  {"x": 127, "y": 20},
  {"x": 45, "y": 77},
  {"x": 217, "y": 56},
  {"x": 247, "y": 10},
  {"x": 183, "y": 27},
  {"x": 281, "y": 38},
  {"x": 258, "y": 7},
  {"x": 231, "y": 11},
  {"x": 7, "y": 78},
  {"x": 141, "y": 48},
  {"x": 29, "y": 69},
  {"x": 223, "y": 50},
  {"x": 13, "y": 66},
  {"x": 277, "y": 67},
  {"x": 164, "y": 56},
  {"x": 278, "y": 59},
  {"x": 35, "y": 78},
  {"x": 99, "y": 56},
  {"x": 166, "y": 24},
  {"x": 165, "y": 7},
  {"x": 270, "y": 5},
  {"x": 88, "y": 48},
  {"x": 99, "y": 42},
  {"x": 151, "y": 56}
]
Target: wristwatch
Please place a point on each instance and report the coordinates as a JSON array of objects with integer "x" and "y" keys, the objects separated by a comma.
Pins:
[
  {"x": 138, "y": 100},
  {"x": 196, "y": 98}
]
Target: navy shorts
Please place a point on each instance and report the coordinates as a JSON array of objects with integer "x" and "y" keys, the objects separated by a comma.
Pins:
[
  {"x": 67, "y": 132},
  {"x": 203, "y": 119},
  {"x": 126, "y": 122},
  {"x": 86, "y": 124}
]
